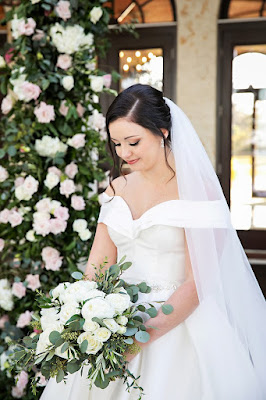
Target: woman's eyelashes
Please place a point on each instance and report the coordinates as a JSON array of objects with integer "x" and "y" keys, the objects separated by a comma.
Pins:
[{"x": 130, "y": 144}]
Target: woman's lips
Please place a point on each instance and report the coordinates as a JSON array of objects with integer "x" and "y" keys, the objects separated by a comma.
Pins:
[{"x": 133, "y": 161}]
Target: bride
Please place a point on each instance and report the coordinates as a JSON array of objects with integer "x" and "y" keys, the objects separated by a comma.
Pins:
[{"x": 170, "y": 218}]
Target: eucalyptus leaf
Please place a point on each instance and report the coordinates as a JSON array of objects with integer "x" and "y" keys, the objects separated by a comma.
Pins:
[
  {"x": 142, "y": 336},
  {"x": 152, "y": 312},
  {"x": 83, "y": 346},
  {"x": 131, "y": 331},
  {"x": 73, "y": 367},
  {"x": 167, "y": 309},
  {"x": 129, "y": 340},
  {"x": 54, "y": 336},
  {"x": 77, "y": 275},
  {"x": 60, "y": 376}
]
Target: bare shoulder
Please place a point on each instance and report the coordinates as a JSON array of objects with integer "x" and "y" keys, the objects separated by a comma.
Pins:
[{"x": 119, "y": 184}]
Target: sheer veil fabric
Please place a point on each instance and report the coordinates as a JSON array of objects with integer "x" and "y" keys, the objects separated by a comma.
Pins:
[{"x": 233, "y": 304}]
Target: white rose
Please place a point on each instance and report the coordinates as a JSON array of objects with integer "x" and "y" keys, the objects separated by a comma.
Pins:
[
  {"x": 90, "y": 326},
  {"x": 48, "y": 146},
  {"x": 3, "y": 174},
  {"x": 59, "y": 289},
  {"x": 102, "y": 334},
  {"x": 7, "y": 104},
  {"x": 85, "y": 235},
  {"x": 50, "y": 321},
  {"x": 96, "y": 14},
  {"x": 122, "y": 320},
  {"x": 67, "y": 310},
  {"x": 121, "y": 330},
  {"x": 111, "y": 324},
  {"x": 97, "y": 83},
  {"x": 97, "y": 307},
  {"x": 30, "y": 236},
  {"x": 2, "y": 62},
  {"x": 94, "y": 345},
  {"x": 120, "y": 302},
  {"x": 51, "y": 180},
  {"x": 44, "y": 341},
  {"x": 80, "y": 225},
  {"x": 68, "y": 82}
]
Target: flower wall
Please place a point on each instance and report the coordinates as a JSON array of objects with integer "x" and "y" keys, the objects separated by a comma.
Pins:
[{"x": 52, "y": 146}]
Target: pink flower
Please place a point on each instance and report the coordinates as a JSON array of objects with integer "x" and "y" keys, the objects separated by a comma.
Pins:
[
  {"x": 24, "y": 319},
  {"x": 27, "y": 28},
  {"x": 63, "y": 9},
  {"x": 41, "y": 379},
  {"x": 107, "y": 79},
  {"x": 4, "y": 216},
  {"x": 6, "y": 105},
  {"x": 19, "y": 181},
  {"x": 39, "y": 35},
  {"x": 44, "y": 113},
  {"x": 42, "y": 226},
  {"x": 14, "y": 218},
  {"x": 64, "y": 61},
  {"x": 2, "y": 244},
  {"x": 67, "y": 187},
  {"x": 37, "y": 330},
  {"x": 77, "y": 140},
  {"x": 71, "y": 170},
  {"x": 52, "y": 258},
  {"x": 33, "y": 281},
  {"x": 62, "y": 213},
  {"x": 18, "y": 289},
  {"x": 30, "y": 91},
  {"x": 77, "y": 202},
  {"x": 23, "y": 379},
  {"x": 9, "y": 55},
  {"x": 16, "y": 392},
  {"x": 3, "y": 319},
  {"x": 63, "y": 108},
  {"x": 80, "y": 110},
  {"x": 44, "y": 204},
  {"x": 58, "y": 225},
  {"x": 55, "y": 171}
]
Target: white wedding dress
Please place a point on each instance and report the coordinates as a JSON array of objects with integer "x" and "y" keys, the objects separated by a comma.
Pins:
[{"x": 200, "y": 359}]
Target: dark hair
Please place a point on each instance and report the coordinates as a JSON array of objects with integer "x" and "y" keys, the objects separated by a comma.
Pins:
[{"x": 145, "y": 106}]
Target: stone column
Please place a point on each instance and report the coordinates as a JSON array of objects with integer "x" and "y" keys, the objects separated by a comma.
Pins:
[{"x": 197, "y": 66}]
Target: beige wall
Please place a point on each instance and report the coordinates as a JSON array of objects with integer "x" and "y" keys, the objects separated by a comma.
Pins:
[{"x": 197, "y": 66}]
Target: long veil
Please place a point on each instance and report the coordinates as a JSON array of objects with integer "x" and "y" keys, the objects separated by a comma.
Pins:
[{"x": 225, "y": 282}]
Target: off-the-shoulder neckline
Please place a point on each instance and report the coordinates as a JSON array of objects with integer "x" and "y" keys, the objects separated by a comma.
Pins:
[{"x": 145, "y": 212}]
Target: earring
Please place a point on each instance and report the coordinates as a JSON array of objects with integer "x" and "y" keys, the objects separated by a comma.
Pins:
[{"x": 162, "y": 142}]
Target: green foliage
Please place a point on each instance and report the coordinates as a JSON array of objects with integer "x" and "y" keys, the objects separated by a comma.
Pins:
[{"x": 36, "y": 61}]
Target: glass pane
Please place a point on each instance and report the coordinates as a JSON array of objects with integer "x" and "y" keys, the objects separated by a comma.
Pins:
[
  {"x": 141, "y": 66},
  {"x": 247, "y": 9},
  {"x": 248, "y": 145}
]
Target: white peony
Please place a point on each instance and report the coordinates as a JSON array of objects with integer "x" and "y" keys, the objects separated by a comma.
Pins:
[
  {"x": 70, "y": 39},
  {"x": 68, "y": 82},
  {"x": 96, "y": 14},
  {"x": 111, "y": 324},
  {"x": 79, "y": 293},
  {"x": 90, "y": 326},
  {"x": 102, "y": 334},
  {"x": 94, "y": 345},
  {"x": 97, "y": 83},
  {"x": 97, "y": 307},
  {"x": 48, "y": 146},
  {"x": 120, "y": 302},
  {"x": 80, "y": 225},
  {"x": 51, "y": 180}
]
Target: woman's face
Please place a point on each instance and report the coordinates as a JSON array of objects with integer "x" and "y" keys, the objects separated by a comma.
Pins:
[{"x": 136, "y": 145}]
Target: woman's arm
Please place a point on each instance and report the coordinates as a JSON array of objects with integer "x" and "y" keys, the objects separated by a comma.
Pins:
[
  {"x": 102, "y": 247},
  {"x": 184, "y": 301}
]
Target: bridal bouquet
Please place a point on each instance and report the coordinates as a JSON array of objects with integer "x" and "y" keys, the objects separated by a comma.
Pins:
[{"x": 88, "y": 323}]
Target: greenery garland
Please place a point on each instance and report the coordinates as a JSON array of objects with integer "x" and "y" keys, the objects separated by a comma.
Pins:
[{"x": 52, "y": 147}]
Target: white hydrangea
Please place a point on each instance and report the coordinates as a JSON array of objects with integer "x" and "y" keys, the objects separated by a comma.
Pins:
[
  {"x": 6, "y": 298},
  {"x": 48, "y": 146},
  {"x": 70, "y": 39}
]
